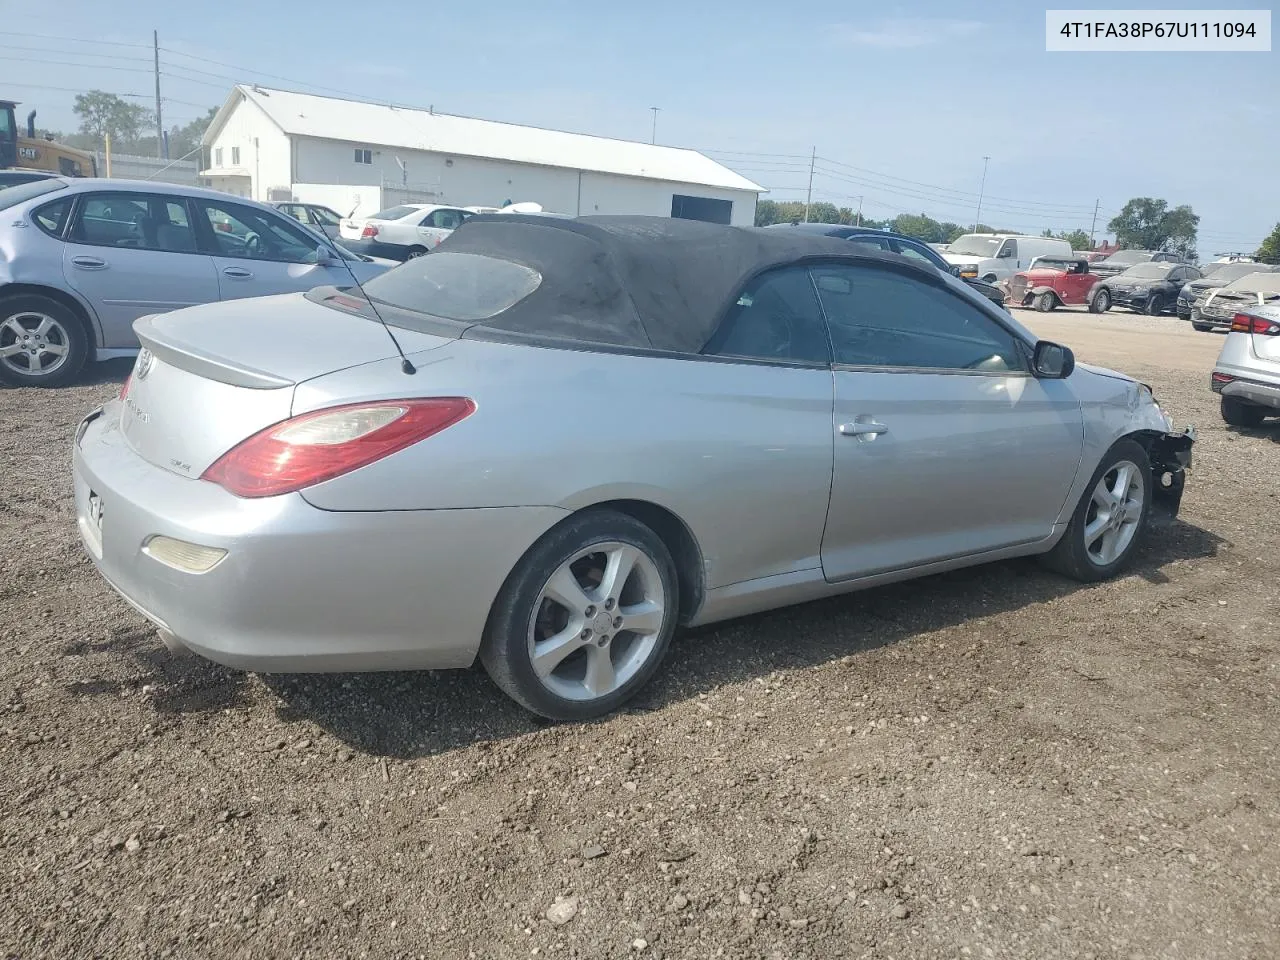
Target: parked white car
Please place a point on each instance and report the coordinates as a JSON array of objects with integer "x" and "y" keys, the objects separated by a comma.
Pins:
[
  {"x": 402, "y": 232},
  {"x": 992, "y": 257}
]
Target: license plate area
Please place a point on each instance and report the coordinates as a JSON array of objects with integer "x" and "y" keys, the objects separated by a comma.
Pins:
[{"x": 91, "y": 523}]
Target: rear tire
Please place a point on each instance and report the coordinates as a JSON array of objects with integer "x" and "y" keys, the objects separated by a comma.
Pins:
[
  {"x": 1044, "y": 302},
  {"x": 414, "y": 252},
  {"x": 1100, "y": 302},
  {"x": 30, "y": 322},
  {"x": 1236, "y": 413},
  {"x": 557, "y": 640},
  {"x": 1105, "y": 529}
]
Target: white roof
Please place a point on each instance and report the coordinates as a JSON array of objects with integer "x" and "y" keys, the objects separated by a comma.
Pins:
[{"x": 383, "y": 125}]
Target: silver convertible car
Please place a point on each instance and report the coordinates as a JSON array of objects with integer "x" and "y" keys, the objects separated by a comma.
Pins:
[
  {"x": 81, "y": 259},
  {"x": 550, "y": 442}
]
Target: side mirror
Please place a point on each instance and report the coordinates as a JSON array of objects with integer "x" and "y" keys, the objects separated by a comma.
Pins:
[
  {"x": 323, "y": 255},
  {"x": 1052, "y": 361},
  {"x": 955, "y": 271}
]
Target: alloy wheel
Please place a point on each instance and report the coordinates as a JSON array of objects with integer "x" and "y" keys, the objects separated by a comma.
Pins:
[
  {"x": 597, "y": 621},
  {"x": 1115, "y": 510},
  {"x": 33, "y": 343}
]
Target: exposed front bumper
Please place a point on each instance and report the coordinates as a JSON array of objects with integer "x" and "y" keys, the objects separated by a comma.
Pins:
[
  {"x": 1170, "y": 461},
  {"x": 300, "y": 589}
]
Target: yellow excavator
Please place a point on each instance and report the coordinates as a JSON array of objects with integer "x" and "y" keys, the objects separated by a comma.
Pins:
[{"x": 31, "y": 153}]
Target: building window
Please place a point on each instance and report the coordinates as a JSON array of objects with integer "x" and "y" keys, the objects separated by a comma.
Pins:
[
  {"x": 364, "y": 156},
  {"x": 701, "y": 208},
  {"x": 217, "y": 157},
  {"x": 235, "y": 156}
]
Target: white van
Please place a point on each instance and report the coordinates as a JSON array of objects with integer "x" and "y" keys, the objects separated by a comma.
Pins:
[{"x": 998, "y": 256}]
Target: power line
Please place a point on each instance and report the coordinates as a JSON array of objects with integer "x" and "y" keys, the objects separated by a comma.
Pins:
[
  {"x": 80, "y": 53},
  {"x": 41, "y": 86},
  {"x": 68, "y": 63},
  {"x": 45, "y": 36}
]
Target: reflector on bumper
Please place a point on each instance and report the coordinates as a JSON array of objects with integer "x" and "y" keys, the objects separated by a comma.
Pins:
[{"x": 187, "y": 557}]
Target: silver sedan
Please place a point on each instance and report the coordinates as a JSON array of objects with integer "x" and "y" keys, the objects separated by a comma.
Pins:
[
  {"x": 81, "y": 259},
  {"x": 551, "y": 442}
]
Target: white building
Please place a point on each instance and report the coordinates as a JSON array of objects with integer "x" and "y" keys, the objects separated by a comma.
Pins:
[{"x": 358, "y": 157}]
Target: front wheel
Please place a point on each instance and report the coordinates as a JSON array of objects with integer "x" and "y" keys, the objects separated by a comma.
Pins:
[
  {"x": 1109, "y": 521},
  {"x": 1238, "y": 414},
  {"x": 584, "y": 619},
  {"x": 1044, "y": 302},
  {"x": 1155, "y": 306},
  {"x": 414, "y": 252},
  {"x": 1100, "y": 303},
  {"x": 1202, "y": 327},
  {"x": 42, "y": 343}
]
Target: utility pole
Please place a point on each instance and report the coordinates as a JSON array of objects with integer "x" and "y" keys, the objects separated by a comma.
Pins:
[
  {"x": 155, "y": 46},
  {"x": 1094, "y": 223},
  {"x": 654, "y": 137},
  {"x": 981, "y": 189},
  {"x": 859, "y": 211},
  {"x": 808, "y": 197}
]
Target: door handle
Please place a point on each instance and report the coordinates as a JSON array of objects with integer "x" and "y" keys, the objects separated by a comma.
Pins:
[
  {"x": 238, "y": 273},
  {"x": 89, "y": 263},
  {"x": 863, "y": 428}
]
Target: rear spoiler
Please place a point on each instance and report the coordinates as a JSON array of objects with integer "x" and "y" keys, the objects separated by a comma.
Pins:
[{"x": 203, "y": 363}]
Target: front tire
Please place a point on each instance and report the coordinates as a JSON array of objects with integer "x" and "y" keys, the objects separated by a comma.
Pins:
[
  {"x": 414, "y": 252},
  {"x": 42, "y": 342},
  {"x": 1044, "y": 302},
  {"x": 1202, "y": 327},
  {"x": 1109, "y": 521},
  {"x": 1236, "y": 413},
  {"x": 584, "y": 619},
  {"x": 1100, "y": 302},
  {"x": 1155, "y": 306}
]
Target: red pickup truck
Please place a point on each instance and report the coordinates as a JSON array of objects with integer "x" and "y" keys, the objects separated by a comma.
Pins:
[{"x": 1052, "y": 282}]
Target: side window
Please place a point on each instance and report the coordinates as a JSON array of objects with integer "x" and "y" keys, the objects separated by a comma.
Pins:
[
  {"x": 295, "y": 210},
  {"x": 324, "y": 216},
  {"x": 138, "y": 220},
  {"x": 875, "y": 243},
  {"x": 52, "y": 217},
  {"x": 217, "y": 156},
  {"x": 882, "y": 318},
  {"x": 235, "y": 156},
  {"x": 445, "y": 219},
  {"x": 909, "y": 251},
  {"x": 776, "y": 318},
  {"x": 257, "y": 234}
]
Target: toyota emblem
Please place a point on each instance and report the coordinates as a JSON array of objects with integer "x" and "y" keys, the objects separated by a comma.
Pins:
[{"x": 143, "y": 367}]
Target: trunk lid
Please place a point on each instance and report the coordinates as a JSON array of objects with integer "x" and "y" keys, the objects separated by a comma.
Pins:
[{"x": 212, "y": 375}]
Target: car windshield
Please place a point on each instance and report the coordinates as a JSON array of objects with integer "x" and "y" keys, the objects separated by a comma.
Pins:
[
  {"x": 1256, "y": 283},
  {"x": 1234, "y": 271},
  {"x": 1129, "y": 256},
  {"x": 1149, "y": 271},
  {"x": 394, "y": 213},
  {"x": 456, "y": 286},
  {"x": 1053, "y": 263},
  {"x": 18, "y": 193},
  {"x": 975, "y": 245}
]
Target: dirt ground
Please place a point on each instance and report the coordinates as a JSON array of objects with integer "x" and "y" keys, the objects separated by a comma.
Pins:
[{"x": 989, "y": 763}]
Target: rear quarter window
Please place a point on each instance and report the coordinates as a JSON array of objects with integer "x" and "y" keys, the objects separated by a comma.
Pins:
[
  {"x": 456, "y": 286},
  {"x": 52, "y": 217}
]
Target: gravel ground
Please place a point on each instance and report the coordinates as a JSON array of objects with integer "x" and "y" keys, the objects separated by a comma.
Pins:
[{"x": 989, "y": 763}]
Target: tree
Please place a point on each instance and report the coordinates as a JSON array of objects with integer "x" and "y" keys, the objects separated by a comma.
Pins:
[
  {"x": 922, "y": 227},
  {"x": 1148, "y": 224},
  {"x": 185, "y": 140},
  {"x": 1269, "y": 252},
  {"x": 1078, "y": 239},
  {"x": 104, "y": 114}
]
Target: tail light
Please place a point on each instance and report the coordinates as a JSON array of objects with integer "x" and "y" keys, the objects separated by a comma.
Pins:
[
  {"x": 323, "y": 444},
  {"x": 1243, "y": 323},
  {"x": 1222, "y": 377},
  {"x": 124, "y": 387},
  {"x": 369, "y": 232}
]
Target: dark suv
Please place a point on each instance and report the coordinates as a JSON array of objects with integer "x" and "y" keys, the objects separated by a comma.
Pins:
[{"x": 894, "y": 243}]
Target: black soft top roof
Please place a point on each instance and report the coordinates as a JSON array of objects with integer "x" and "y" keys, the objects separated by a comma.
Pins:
[{"x": 641, "y": 282}]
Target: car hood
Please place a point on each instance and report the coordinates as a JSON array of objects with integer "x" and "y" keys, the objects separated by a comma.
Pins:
[
  {"x": 1123, "y": 282},
  {"x": 961, "y": 259},
  {"x": 1207, "y": 283},
  {"x": 1104, "y": 372}
]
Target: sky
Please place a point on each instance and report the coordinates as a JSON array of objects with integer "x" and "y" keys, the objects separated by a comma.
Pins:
[{"x": 900, "y": 107}]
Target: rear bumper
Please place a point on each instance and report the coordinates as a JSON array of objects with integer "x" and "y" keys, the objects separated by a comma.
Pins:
[
  {"x": 300, "y": 589},
  {"x": 1247, "y": 385}
]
